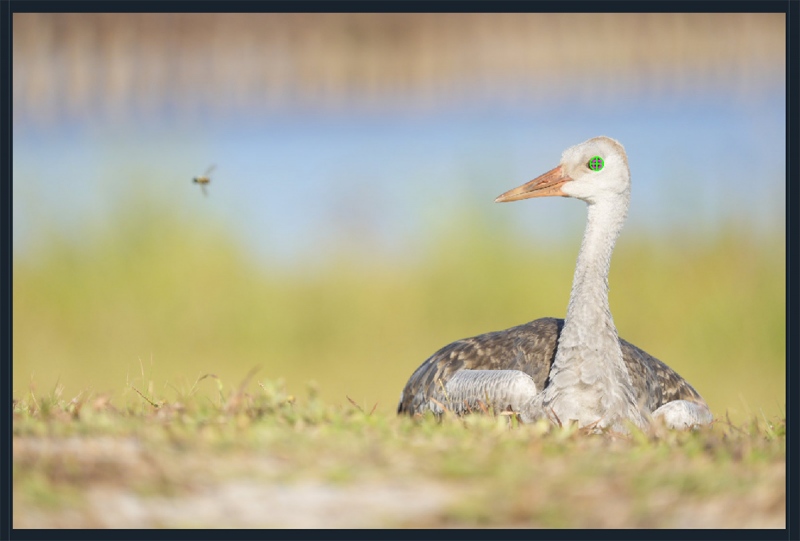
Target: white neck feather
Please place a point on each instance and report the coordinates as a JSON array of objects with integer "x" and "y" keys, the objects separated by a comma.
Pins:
[
  {"x": 588, "y": 303},
  {"x": 589, "y": 381}
]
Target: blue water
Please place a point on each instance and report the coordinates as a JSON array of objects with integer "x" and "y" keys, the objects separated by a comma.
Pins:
[{"x": 291, "y": 184}]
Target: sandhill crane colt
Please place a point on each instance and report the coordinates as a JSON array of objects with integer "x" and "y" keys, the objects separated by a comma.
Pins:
[{"x": 575, "y": 369}]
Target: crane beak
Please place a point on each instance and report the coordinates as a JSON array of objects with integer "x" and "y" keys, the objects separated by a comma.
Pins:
[{"x": 545, "y": 185}]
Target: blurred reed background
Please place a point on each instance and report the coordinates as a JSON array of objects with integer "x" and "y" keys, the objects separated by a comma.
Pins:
[{"x": 349, "y": 230}]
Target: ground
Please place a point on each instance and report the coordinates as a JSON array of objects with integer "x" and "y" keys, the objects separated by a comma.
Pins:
[{"x": 266, "y": 460}]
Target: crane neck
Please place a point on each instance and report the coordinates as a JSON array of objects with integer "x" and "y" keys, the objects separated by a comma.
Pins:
[
  {"x": 589, "y": 380},
  {"x": 589, "y": 296},
  {"x": 588, "y": 324}
]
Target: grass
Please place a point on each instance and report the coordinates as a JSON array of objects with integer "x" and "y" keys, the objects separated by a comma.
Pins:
[
  {"x": 149, "y": 461},
  {"x": 157, "y": 292},
  {"x": 163, "y": 378}
]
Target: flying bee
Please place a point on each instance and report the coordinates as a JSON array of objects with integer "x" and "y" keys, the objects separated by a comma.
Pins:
[{"x": 203, "y": 180}]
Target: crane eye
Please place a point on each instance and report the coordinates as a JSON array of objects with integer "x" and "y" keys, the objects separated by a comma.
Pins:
[{"x": 596, "y": 163}]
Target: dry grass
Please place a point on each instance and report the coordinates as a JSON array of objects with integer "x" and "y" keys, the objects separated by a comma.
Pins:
[
  {"x": 137, "y": 403},
  {"x": 259, "y": 457}
]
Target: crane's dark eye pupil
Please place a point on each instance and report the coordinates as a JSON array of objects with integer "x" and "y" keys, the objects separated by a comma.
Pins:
[{"x": 596, "y": 163}]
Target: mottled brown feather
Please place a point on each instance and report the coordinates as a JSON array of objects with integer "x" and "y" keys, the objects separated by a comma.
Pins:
[{"x": 531, "y": 348}]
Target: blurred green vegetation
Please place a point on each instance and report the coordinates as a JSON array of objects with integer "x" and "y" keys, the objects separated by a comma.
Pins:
[{"x": 153, "y": 299}]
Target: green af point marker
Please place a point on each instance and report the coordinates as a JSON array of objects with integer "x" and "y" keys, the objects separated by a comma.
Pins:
[{"x": 596, "y": 163}]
